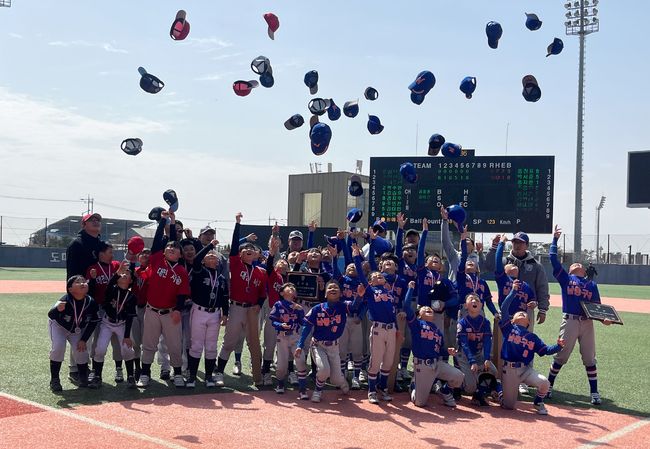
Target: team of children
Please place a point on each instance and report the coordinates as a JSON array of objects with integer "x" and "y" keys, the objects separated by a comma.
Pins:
[{"x": 386, "y": 305}]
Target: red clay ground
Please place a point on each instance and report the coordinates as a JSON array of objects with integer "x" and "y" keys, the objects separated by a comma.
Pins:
[{"x": 266, "y": 419}]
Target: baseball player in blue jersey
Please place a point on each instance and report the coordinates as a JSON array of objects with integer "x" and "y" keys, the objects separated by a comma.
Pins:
[
  {"x": 504, "y": 276},
  {"x": 469, "y": 281},
  {"x": 428, "y": 347},
  {"x": 327, "y": 320},
  {"x": 287, "y": 317},
  {"x": 576, "y": 288},
  {"x": 519, "y": 348}
]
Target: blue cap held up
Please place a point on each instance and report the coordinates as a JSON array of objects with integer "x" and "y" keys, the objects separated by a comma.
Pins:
[
  {"x": 407, "y": 170},
  {"x": 494, "y": 32}
]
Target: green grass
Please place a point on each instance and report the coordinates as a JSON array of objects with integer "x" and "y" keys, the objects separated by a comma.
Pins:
[
  {"x": 606, "y": 290},
  {"x": 24, "y": 363},
  {"x": 32, "y": 274}
]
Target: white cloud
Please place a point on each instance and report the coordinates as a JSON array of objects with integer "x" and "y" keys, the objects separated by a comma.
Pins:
[
  {"x": 208, "y": 44},
  {"x": 106, "y": 46},
  {"x": 16, "y": 35}
]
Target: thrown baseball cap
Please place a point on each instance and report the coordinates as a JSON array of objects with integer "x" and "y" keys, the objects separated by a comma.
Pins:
[
  {"x": 318, "y": 106},
  {"x": 356, "y": 188},
  {"x": 156, "y": 213},
  {"x": 379, "y": 225},
  {"x": 171, "y": 199},
  {"x": 374, "y": 125},
  {"x": 135, "y": 244},
  {"x": 521, "y": 236},
  {"x": 351, "y": 108},
  {"x": 354, "y": 215},
  {"x": 449, "y": 149},
  {"x": 333, "y": 112},
  {"x": 371, "y": 93},
  {"x": 243, "y": 88},
  {"x": 494, "y": 32},
  {"x": 320, "y": 136},
  {"x": 555, "y": 48},
  {"x": 531, "y": 91},
  {"x": 295, "y": 235},
  {"x": 261, "y": 65},
  {"x": 313, "y": 121},
  {"x": 207, "y": 230},
  {"x": 311, "y": 81},
  {"x": 419, "y": 88},
  {"x": 132, "y": 146},
  {"x": 407, "y": 170},
  {"x": 457, "y": 214},
  {"x": 532, "y": 22},
  {"x": 295, "y": 121},
  {"x": 273, "y": 22},
  {"x": 180, "y": 27},
  {"x": 439, "y": 292},
  {"x": 468, "y": 86},
  {"x": 150, "y": 83},
  {"x": 87, "y": 217},
  {"x": 436, "y": 141}
]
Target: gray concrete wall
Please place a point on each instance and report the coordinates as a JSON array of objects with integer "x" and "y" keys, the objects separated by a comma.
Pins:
[{"x": 25, "y": 257}]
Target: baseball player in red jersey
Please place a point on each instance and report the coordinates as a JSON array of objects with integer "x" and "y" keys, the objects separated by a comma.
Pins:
[
  {"x": 169, "y": 287},
  {"x": 247, "y": 293}
]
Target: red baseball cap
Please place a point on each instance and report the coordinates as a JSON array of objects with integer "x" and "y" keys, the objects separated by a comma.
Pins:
[
  {"x": 243, "y": 88},
  {"x": 135, "y": 245},
  {"x": 180, "y": 28},
  {"x": 87, "y": 217},
  {"x": 273, "y": 22}
]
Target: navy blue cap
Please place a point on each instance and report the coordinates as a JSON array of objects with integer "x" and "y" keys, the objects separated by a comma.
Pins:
[
  {"x": 532, "y": 22},
  {"x": 468, "y": 86},
  {"x": 532, "y": 91},
  {"x": 457, "y": 214},
  {"x": 407, "y": 170},
  {"x": 311, "y": 81},
  {"x": 374, "y": 125},
  {"x": 379, "y": 226},
  {"x": 522, "y": 236},
  {"x": 354, "y": 215},
  {"x": 171, "y": 199},
  {"x": 417, "y": 98},
  {"x": 494, "y": 32},
  {"x": 156, "y": 213},
  {"x": 267, "y": 79},
  {"x": 435, "y": 142},
  {"x": 295, "y": 121},
  {"x": 371, "y": 93},
  {"x": 421, "y": 86},
  {"x": 555, "y": 48},
  {"x": 318, "y": 106},
  {"x": 449, "y": 149},
  {"x": 150, "y": 83},
  {"x": 132, "y": 146},
  {"x": 351, "y": 108},
  {"x": 320, "y": 136},
  {"x": 333, "y": 112},
  {"x": 356, "y": 188}
]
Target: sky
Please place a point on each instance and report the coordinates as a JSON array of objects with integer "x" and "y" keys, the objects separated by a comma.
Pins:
[{"x": 69, "y": 95}]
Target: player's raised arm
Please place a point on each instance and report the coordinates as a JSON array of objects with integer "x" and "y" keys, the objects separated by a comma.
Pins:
[
  {"x": 356, "y": 255},
  {"x": 558, "y": 271},
  {"x": 234, "y": 245},
  {"x": 406, "y": 307},
  {"x": 422, "y": 243}
]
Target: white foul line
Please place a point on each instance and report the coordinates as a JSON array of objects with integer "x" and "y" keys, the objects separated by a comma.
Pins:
[
  {"x": 94, "y": 422},
  {"x": 617, "y": 434}
]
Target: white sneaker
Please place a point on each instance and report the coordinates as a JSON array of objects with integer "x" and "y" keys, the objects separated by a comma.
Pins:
[
  {"x": 315, "y": 397},
  {"x": 355, "y": 384},
  {"x": 179, "y": 382},
  {"x": 448, "y": 400},
  {"x": 143, "y": 381},
  {"x": 372, "y": 398},
  {"x": 541, "y": 409},
  {"x": 303, "y": 396},
  {"x": 267, "y": 380},
  {"x": 293, "y": 378},
  {"x": 236, "y": 370},
  {"x": 363, "y": 376},
  {"x": 191, "y": 383},
  {"x": 279, "y": 389},
  {"x": 595, "y": 399},
  {"x": 345, "y": 388},
  {"x": 523, "y": 389},
  {"x": 385, "y": 396},
  {"x": 209, "y": 382},
  {"x": 413, "y": 396},
  {"x": 218, "y": 379}
]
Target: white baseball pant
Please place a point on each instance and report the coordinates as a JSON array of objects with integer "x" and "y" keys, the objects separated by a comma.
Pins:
[
  {"x": 427, "y": 371},
  {"x": 285, "y": 346},
  {"x": 204, "y": 332},
  {"x": 328, "y": 362},
  {"x": 59, "y": 336},
  {"x": 107, "y": 332},
  {"x": 382, "y": 347},
  {"x": 513, "y": 375}
]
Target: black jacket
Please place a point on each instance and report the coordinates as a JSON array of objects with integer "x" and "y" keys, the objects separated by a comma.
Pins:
[{"x": 81, "y": 254}]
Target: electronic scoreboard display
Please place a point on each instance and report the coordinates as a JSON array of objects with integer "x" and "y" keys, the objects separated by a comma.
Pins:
[{"x": 499, "y": 193}]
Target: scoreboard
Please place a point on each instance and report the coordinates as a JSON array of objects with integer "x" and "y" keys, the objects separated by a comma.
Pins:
[{"x": 499, "y": 193}]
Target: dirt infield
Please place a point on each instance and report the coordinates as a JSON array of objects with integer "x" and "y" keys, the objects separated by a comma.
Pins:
[{"x": 265, "y": 419}]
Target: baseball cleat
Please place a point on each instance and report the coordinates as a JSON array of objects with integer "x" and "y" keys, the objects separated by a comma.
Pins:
[
  {"x": 218, "y": 380},
  {"x": 209, "y": 382},
  {"x": 95, "y": 383},
  {"x": 186, "y": 373},
  {"x": 293, "y": 378},
  {"x": 267, "y": 379},
  {"x": 91, "y": 375},
  {"x": 549, "y": 395},
  {"x": 130, "y": 382},
  {"x": 191, "y": 382},
  {"x": 143, "y": 381},
  {"x": 413, "y": 396},
  {"x": 179, "y": 382},
  {"x": 479, "y": 400},
  {"x": 355, "y": 384},
  {"x": 350, "y": 365},
  {"x": 74, "y": 378},
  {"x": 595, "y": 399},
  {"x": 523, "y": 389},
  {"x": 236, "y": 370},
  {"x": 372, "y": 398},
  {"x": 55, "y": 385},
  {"x": 541, "y": 409},
  {"x": 345, "y": 388},
  {"x": 83, "y": 382},
  {"x": 316, "y": 396},
  {"x": 363, "y": 376},
  {"x": 119, "y": 375},
  {"x": 165, "y": 374},
  {"x": 448, "y": 399},
  {"x": 303, "y": 396},
  {"x": 385, "y": 396},
  {"x": 279, "y": 389}
]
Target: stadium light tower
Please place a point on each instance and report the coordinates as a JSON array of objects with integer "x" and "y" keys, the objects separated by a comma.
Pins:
[
  {"x": 598, "y": 208},
  {"x": 581, "y": 20}
]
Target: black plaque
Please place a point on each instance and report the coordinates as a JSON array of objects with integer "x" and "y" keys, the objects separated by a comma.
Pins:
[
  {"x": 306, "y": 285},
  {"x": 601, "y": 312}
]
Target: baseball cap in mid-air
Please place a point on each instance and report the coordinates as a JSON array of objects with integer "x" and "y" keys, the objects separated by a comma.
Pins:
[
  {"x": 87, "y": 217},
  {"x": 261, "y": 65},
  {"x": 295, "y": 121},
  {"x": 181, "y": 27},
  {"x": 421, "y": 86},
  {"x": 273, "y": 22},
  {"x": 468, "y": 86},
  {"x": 320, "y": 136},
  {"x": 457, "y": 214},
  {"x": 494, "y": 32},
  {"x": 351, "y": 108},
  {"x": 407, "y": 170},
  {"x": 356, "y": 188},
  {"x": 531, "y": 91},
  {"x": 171, "y": 199},
  {"x": 371, "y": 93},
  {"x": 522, "y": 237},
  {"x": 354, "y": 215},
  {"x": 150, "y": 83},
  {"x": 318, "y": 106},
  {"x": 436, "y": 141},
  {"x": 449, "y": 149},
  {"x": 243, "y": 88},
  {"x": 333, "y": 112},
  {"x": 135, "y": 244},
  {"x": 374, "y": 125},
  {"x": 132, "y": 146},
  {"x": 379, "y": 225},
  {"x": 156, "y": 213},
  {"x": 555, "y": 48},
  {"x": 532, "y": 22},
  {"x": 311, "y": 81}
]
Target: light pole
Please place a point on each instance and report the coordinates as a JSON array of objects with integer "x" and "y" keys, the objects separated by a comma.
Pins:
[
  {"x": 581, "y": 20},
  {"x": 598, "y": 208},
  {"x": 108, "y": 236}
]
